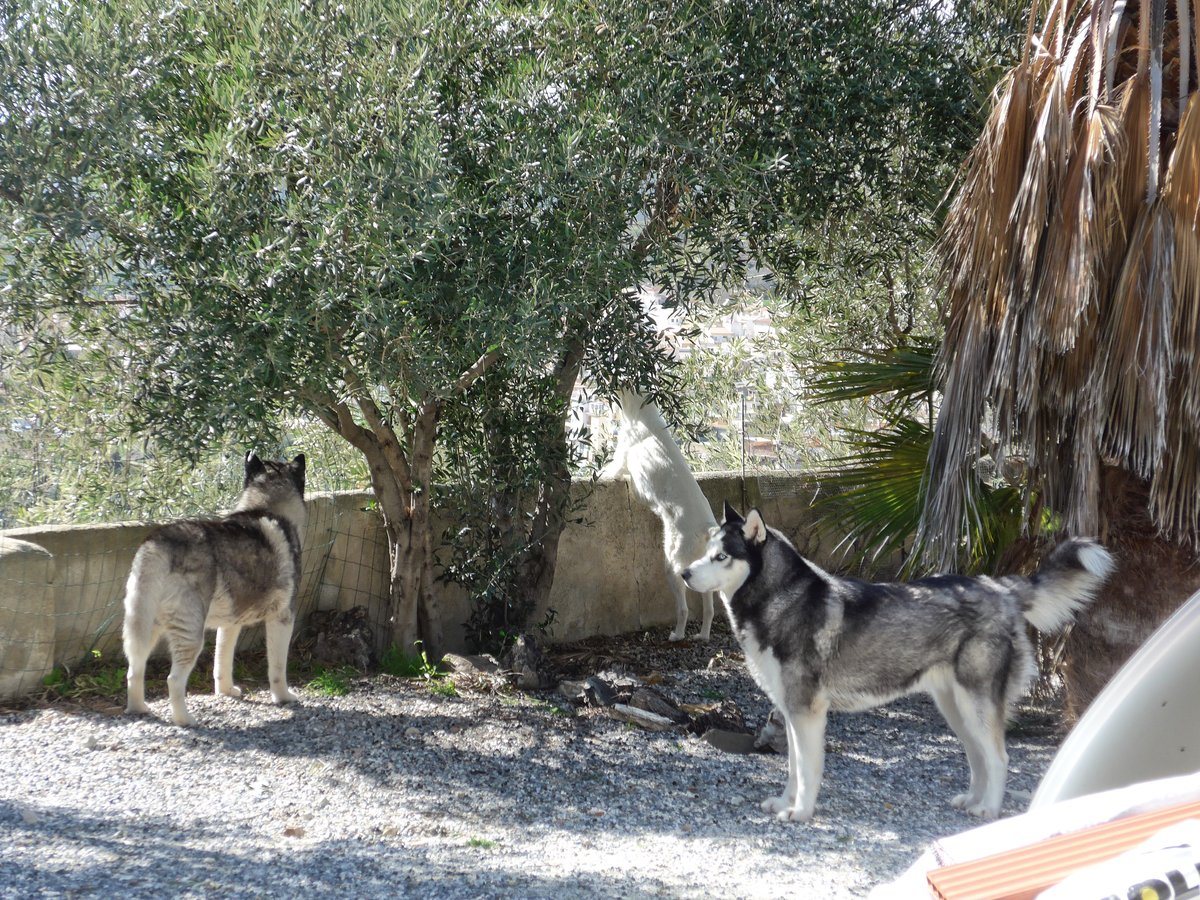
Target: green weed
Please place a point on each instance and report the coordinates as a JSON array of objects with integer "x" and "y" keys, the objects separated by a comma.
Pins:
[
  {"x": 552, "y": 708},
  {"x": 94, "y": 678},
  {"x": 332, "y": 682},
  {"x": 418, "y": 665},
  {"x": 409, "y": 665}
]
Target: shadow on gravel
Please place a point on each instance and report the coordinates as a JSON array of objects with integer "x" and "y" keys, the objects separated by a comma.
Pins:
[
  {"x": 465, "y": 796},
  {"x": 886, "y": 771},
  {"x": 148, "y": 856}
]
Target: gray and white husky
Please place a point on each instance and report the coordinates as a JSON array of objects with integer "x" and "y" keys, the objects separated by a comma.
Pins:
[
  {"x": 221, "y": 573},
  {"x": 817, "y": 642}
]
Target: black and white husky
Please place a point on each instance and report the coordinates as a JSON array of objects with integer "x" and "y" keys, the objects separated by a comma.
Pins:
[
  {"x": 221, "y": 573},
  {"x": 816, "y": 642}
]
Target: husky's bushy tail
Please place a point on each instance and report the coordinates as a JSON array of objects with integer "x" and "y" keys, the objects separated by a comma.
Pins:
[{"x": 1065, "y": 584}]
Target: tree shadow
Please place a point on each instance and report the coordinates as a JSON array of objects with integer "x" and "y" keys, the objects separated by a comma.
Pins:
[{"x": 74, "y": 853}]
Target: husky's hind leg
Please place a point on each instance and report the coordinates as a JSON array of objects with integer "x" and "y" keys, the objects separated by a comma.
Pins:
[
  {"x": 223, "y": 661},
  {"x": 943, "y": 696},
  {"x": 139, "y": 636},
  {"x": 186, "y": 639},
  {"x": 679, "y": 590},
  {"x": 983, "y": 719},
  {"x": 138, "y": 633},
  {"x": 279, "y": 635}
]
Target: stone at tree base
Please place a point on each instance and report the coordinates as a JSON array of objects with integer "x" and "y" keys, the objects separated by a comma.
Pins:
[
  {"x": 640, "y": 717},
  {"x": 772, "y": 736},
  {"x": 527, "y": 666},
  {"x": 474, "y": 666},
  {"x": 342, "y": 638},
  {"x": 572, "y": 691},
  {"x": 652, "y": 701},
  {"x": 598, "y": 692}
]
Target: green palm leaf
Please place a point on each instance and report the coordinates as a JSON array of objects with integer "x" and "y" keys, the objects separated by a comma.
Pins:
[
  {"x": 877, "y": 490},
  {"x": 904, "y": 374}
]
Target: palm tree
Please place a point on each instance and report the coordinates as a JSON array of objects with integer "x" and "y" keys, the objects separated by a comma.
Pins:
[{"x": 1071, "y": 263}]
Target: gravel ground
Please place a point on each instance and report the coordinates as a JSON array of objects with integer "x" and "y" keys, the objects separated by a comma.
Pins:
[{"x": 395, "y": 790}]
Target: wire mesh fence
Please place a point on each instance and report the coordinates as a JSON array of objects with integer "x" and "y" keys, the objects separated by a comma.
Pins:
[
  {"x": 62, "y": 588},
  {"x": 71, "y": 521}
]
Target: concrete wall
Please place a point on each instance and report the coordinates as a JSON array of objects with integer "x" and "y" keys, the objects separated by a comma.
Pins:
[{"x": 61, "y": 588}]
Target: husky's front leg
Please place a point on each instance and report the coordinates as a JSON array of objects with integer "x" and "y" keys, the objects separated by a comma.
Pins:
[
  {"x": 706, "y": 622},
  {"x": 223, "y": 661},
  {"x": 785, "y": 800},
  {"x": 279, "y": 636},
  {"x": 806, "y": 764},
  {"x": 679, "y": 590}
]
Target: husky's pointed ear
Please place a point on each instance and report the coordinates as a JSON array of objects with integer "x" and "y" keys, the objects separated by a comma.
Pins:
[
  {"x": 297, "y": 466},
  {"x": 754, "y": 529},
  {"x": 254, "y": 466},
  {"x": 732, "y": 516}
]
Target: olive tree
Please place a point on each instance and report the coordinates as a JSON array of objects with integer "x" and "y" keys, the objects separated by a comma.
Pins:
[
  {"x": 357, "y": 212},
  {"x": 422, "y": 223}
]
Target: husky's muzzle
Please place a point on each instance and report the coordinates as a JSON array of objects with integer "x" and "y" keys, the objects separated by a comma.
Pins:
[{"x": 686, "y": 575}]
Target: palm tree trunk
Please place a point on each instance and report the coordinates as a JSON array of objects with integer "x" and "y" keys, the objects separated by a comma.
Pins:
[{"x": 1154, "y": 576}]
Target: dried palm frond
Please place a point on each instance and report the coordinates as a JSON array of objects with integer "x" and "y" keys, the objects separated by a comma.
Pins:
[
  {"x": 1181, "y": 194},
  {"x": 1136, "y": 351},
  {"x": 1183, "y": 15},
  {"x": 976, "y": 271},
  {"x": 1156, "y": 12},
  {"x": 1071, "y": 265}
]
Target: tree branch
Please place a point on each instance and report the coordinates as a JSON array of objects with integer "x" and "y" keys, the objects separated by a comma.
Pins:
[
  {"x": 389, "y": 443},
  {"x": 473, "y": 374},
  {"x": 337, "y": 416},
  {"x": 666, "y": 205}
]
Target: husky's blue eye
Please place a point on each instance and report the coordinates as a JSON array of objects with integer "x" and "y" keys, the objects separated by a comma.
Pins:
[{"x": 720, "y": 557}]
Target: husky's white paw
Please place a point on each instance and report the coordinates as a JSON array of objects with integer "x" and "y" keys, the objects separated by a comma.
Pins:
[
  {"x": 970, "y": 803},
  {"x": 793, "y": 815},
  {"x": 703, "y": 636},
  {"x": 284, "y": 696},
  {"x": 137, "y": 709},
  {"x": 776, "y": 805},
  {"x": 982, "y": 810},
  {"x": 231, "y": 691},
  {"x": 676, "y": 636},
  {"x": 187, "y": 720}
]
